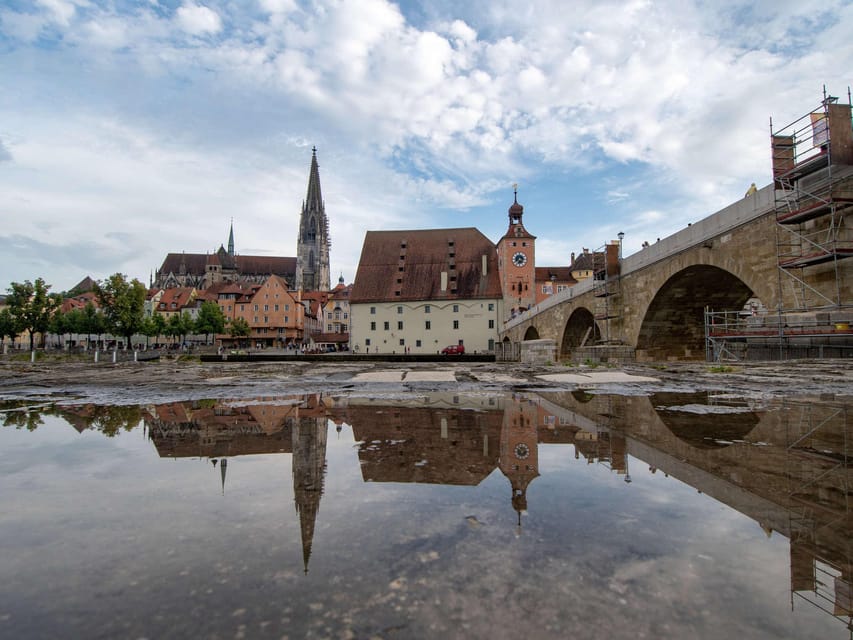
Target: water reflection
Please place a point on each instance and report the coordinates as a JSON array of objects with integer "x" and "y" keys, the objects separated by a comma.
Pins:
[{"x": 785, "y": 465}]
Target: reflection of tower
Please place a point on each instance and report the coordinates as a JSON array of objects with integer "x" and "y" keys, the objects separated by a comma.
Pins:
[
  {"x": 309, "y": 469},
  {"x": 519, "y": 458}
]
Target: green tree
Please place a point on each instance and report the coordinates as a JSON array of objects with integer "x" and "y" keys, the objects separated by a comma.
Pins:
[
  {"x": 32, "y": 305},
  {"x": 92, "y": 322},
  {"x": 239, "y": 328},
  {"x": 159, "y": 324},
  {"x": 123, "y": 304},
  {"x": 210, "y": 320},
  {"x": 8, "y": 326},
  {"x": 179, "y": 325}
]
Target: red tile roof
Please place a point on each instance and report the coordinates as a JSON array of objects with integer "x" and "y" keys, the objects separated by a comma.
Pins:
[{"x": 407, "y": 265}]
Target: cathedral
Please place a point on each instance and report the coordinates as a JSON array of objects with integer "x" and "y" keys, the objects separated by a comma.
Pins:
[{"x": 308, "y": 271}]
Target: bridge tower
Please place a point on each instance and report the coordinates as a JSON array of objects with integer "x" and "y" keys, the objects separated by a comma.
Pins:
[{"x": 517, "y": 262}]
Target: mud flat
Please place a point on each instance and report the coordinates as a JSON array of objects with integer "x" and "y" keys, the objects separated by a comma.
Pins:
[{"x": 163, "y": 380}]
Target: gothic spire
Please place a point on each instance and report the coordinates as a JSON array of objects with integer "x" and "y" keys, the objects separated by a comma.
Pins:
[
  {"x": 314, "y": 199},
  {"x": 231, "y": 239}
]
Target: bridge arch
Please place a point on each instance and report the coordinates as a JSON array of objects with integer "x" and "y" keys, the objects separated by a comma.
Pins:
[
  {"x": 531, "y": 334},
  {"x": 673, "y": 325},
  {"x": 579, "y": 327}
]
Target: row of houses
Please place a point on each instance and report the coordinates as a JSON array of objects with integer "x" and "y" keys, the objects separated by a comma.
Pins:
[{"x": 277, "y": 316}]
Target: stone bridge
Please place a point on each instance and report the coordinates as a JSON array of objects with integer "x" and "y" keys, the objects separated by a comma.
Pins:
[{"x": 651, "y": 304}]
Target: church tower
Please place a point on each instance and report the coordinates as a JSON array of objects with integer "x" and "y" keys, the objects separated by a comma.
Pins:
[
  {"x": 516, "y": 262},
  {"x": 312, "y": 246}
]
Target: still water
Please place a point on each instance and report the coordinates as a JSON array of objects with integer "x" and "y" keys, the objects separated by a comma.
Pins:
[{"x": 548, "y": 515}]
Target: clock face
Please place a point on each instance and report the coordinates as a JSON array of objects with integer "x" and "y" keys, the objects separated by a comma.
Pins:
[
  {"x": 521, "y": 451},
  {"x": 519, "y": 259}
]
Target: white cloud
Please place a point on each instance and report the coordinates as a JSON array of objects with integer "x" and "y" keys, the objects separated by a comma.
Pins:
[
  {"x": 198, "y": 20},
  {"x": 667, "y": 102}
]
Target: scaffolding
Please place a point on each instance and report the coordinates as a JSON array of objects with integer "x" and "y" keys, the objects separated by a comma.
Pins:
[
  {"x": 812, "y": 169},
  {"x": 819, "y": 457},
  {"x": 812, "y": 160},
  {"x": 748, "y": 335},
  {"x": 606, "y": 288}
]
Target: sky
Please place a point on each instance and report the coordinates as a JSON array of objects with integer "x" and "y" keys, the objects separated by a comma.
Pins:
[{"x": 129, "y": 130}]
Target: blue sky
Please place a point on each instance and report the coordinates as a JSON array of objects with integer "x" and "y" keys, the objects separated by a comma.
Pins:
[{"x": 132, "y": 129}]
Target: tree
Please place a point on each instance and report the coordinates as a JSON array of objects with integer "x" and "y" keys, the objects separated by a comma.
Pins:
[
  {"x": 159, "y": 324},
  {"x": 73, "y": 321},
  {"x": 210, "y": 320},
  {"x": 123, "y": 304},
  {"x": 179, "y": 325},
  {"x": 8, "y": 326},
  {"x": 32, "y": 306},
  {"x": 92, "y": 322},
  {"x": 239, "y": 328}
]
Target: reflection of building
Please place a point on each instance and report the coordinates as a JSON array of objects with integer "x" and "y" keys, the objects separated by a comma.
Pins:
[
  {"x": 309, "y": 471},
  {"x": 218, "y": 431},
  {"x": 519, "y": 459}
]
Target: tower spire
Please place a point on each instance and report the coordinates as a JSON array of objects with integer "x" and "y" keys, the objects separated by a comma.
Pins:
[
  {"x": 312, "y": 247},
  {"x": 231, "y": 239}
]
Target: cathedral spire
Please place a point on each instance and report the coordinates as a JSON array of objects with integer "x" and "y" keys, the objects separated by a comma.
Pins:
[
  {"x": 231, "y": 239},
  {"x": 312, "y": 247},
  {"x": 314, "y": 198}
]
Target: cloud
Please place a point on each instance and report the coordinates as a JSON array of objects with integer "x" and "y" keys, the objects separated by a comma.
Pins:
[
  {"x": 418, "y": 112},
  {"x": 198, "y": 20},
  {"x": 5, "y": 154}
]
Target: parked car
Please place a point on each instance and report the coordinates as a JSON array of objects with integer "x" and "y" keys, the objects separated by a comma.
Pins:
[{"x": 453, "y": 350}]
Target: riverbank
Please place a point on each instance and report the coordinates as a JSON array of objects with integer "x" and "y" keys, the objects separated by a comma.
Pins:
[{"x": 188, "y": 377}]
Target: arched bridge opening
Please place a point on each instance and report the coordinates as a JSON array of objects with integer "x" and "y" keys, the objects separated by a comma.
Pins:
[
  {"x": 674, "y": 323},
  {"x": 531, "y": 334},
  {"x": 580, "y": 330}
]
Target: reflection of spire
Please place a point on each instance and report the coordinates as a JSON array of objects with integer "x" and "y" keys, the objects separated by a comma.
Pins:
[
  {"x": 309, "y": 468},
  {"x": 222, "y": 468}
]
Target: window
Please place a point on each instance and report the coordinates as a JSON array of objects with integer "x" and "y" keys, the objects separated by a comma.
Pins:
[
  {"x": 346, "y": 315},
  {"x": 373, "y": 326},
  {"x": 417, "y": 343},
  {"x": 491, "y": 324},
  {"x": 426, "y": 308},
  {"x": 256, "y": 307},
  {"x": 373, "y": 310},
  {"x": 455, "y": 308},
  {"x": 266, "y": 307},
  {"x": 286, "y": 319},
  {"x": 287, "y": 307},
  {"x": 266, "y": 319},
  {"x": 491, "y": 306},
  {"x": 329, "y": 315},
  {"x": 402, "y": 341},
  {"x": 367, "y": 341},
  {"x": 329, "y": 328},
  {"x": 400, "y": 325},
  {"x": 276, "y": 307},
  {"x": 428, "y": 325},
  {"x": 456, "y": 324},
  {"x": 399, "y": 309},
  {"x": 387, "y": 326},
  {"x": 242, "y": 307},
  {"x": 344, "y": 328},
  {"x": 255, "y": 320}
]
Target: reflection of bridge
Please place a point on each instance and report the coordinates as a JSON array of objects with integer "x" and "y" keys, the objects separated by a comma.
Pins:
[
  {"x": 789, "y": 468},
  {"x": 785, "y": 246}
]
